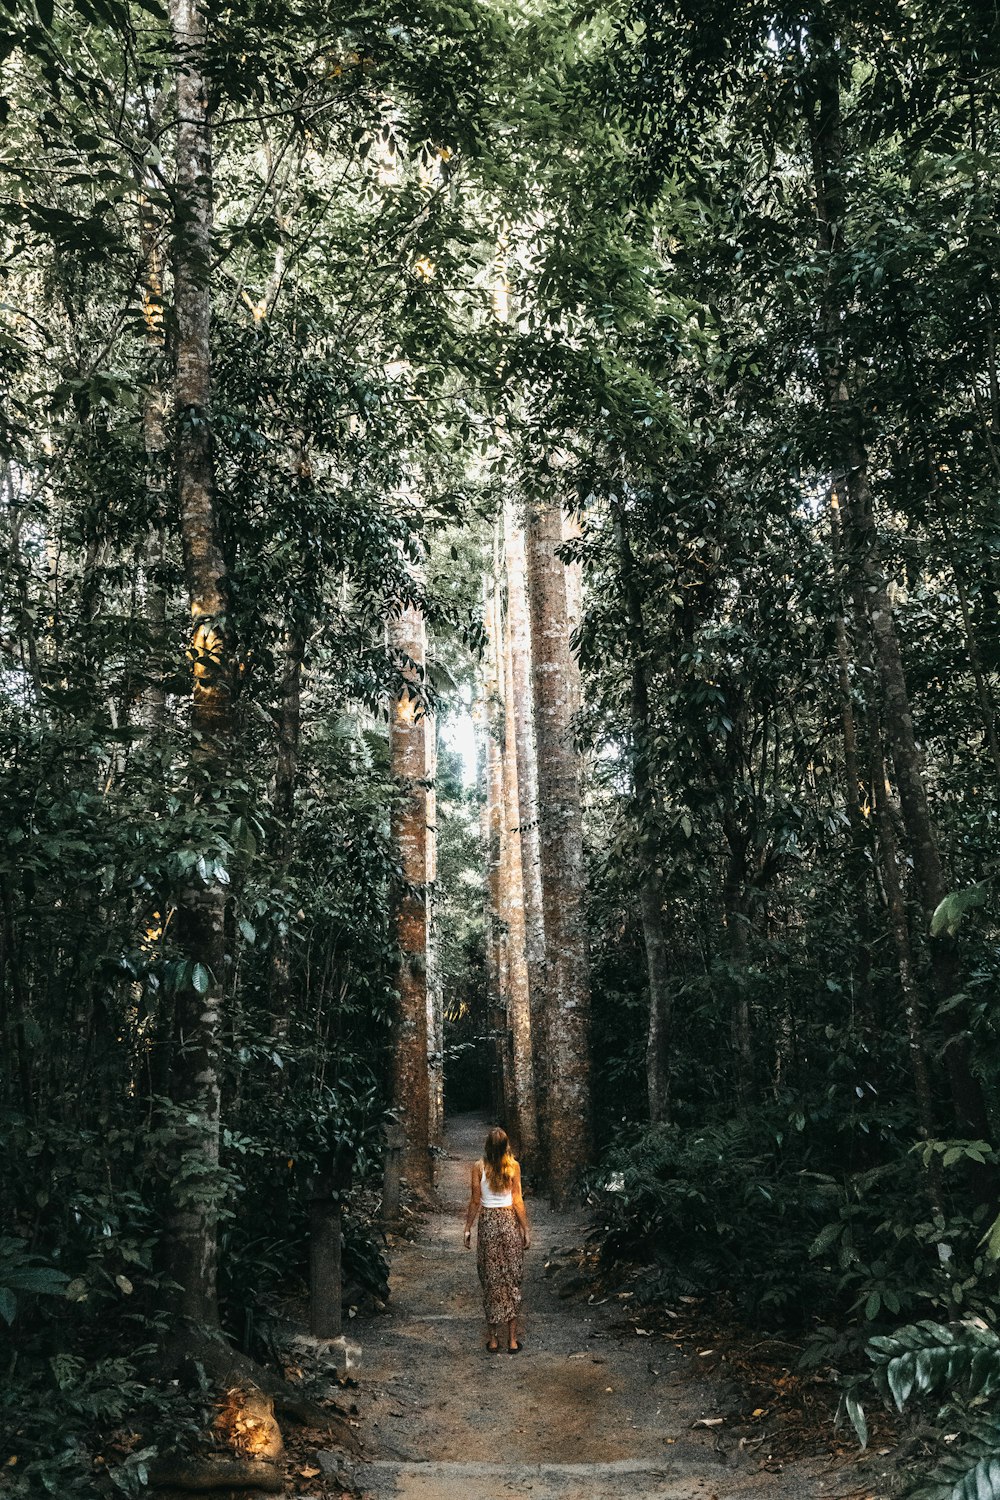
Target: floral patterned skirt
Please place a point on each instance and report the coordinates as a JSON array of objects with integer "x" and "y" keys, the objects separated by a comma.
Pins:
[{"x": 500, "y": 1261}]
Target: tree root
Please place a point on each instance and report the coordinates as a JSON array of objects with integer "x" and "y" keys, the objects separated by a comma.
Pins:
[
  {"x": 295, "y": 1407},
  {"x": 227, "y": 1369},
  {"x": 196, "y": 1475}
]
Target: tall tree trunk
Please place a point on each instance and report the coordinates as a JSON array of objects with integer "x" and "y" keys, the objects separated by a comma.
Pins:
[
  {"x": 519, "y": 993},
  {"x": 735, "y": 910},
  {"x": 154, "y": 437},
  {"x": 490, "y": 838},
  {"x": 572, "y": 531},
  {"x": 191, "y": 1229},
  {"x": 854, "y": 783},
  {"x": 647, "y": 851},
  {"x": 868, "y": 587},
  {"x": 498, "y": 934},
  {"x": 408, "y": 757},
  {"x": 285, "y": 775},
  {"x": 435, "y": 999},
  {"x": 327, "y": 1192},
  {"x": 568, "y": 1143},
  {"x": 519, "y": 708}
]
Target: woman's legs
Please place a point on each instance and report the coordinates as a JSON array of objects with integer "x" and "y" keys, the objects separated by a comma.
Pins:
[
  {"x": 512, "y": 1334},
  {"x": 494, "y": 1340}
]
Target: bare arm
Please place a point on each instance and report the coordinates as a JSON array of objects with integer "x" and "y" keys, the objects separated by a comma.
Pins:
[
  {"x": 475, "y": 1196},
  {"x": 519, "y": 1208}
]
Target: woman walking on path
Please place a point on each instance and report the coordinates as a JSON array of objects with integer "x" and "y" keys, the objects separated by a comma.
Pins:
[{"x": 503, "y": 1236}]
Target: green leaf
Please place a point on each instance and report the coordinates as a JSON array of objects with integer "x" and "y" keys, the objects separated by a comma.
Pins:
[
  {"x": 859, "y": 1421},
  {"x": 8, "y": 1305},
  {"x": 951, "y": 912},
  {"x": 980, "y": 1483},
  {"x": 200, "y": 979},
  {"x": 991, "y": 1240},
  {"x": 34, "y": 1279}
]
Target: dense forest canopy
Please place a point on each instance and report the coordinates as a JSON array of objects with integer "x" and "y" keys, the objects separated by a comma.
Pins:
[{"x": 613, "y": 388}]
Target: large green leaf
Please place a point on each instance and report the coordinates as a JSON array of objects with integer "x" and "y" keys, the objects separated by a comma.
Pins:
[
  {"x": 951, "y": 912},
  {"x": 980, "y": 1483}
]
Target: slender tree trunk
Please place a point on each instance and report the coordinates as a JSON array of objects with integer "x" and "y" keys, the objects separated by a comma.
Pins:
[
  {"x": 567, "y": 991},
  {"x": 285, "y": 775},
  {"x": 734, "y": 903},
  {"x": 868, "y": 587},
  {"x": 572, "y": 531},
  {"x": 154, "y": 436},
  {"x": 900, "y": 928},
  {"x": 490, "y": 837},
  {"x": 854, "y": 784},
  {"x": 519, "y": 708},
  {"x": 191, "y": 1229},
  {"x": 519, "y": 999},
  {"x": 408, "y": 757},
  {"x": 435, "y": 1000},
  {"x": 647, "y": 851},
  {"x": 326, "y": 1249},
  {"x": 289, "y": 734},
  {"x": 498, "y": 867}
]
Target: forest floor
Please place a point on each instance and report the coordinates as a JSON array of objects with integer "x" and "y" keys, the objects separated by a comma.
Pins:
[{"x": 597, "y": 1406}]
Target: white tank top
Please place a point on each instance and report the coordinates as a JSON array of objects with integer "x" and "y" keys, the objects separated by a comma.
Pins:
[{"x": 490, "y": 1199}]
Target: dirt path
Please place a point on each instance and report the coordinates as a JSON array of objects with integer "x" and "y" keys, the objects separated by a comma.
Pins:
[{"x": 587, "y": 1411}]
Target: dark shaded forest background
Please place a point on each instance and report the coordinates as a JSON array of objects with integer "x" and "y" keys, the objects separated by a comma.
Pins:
[{"x": 748, "y": 259}]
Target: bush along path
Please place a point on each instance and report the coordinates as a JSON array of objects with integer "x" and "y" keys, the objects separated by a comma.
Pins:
[{"x": 589, "y": 1408}]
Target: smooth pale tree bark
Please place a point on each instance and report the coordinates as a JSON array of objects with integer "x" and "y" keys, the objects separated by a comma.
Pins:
[
  {"x": 519, "y": 709},
  {"x": 519, "y": 997},
  {"x": 568, "y": 1143},
  {"x": 505, "y": 1094},
  {"x": 647, "y": 852},
  {"x": 490, "y": 841},
  {"x": 867, "y": 582},
  {"x": 192, "y": 1219},
  {"x": 435, "y": 999},
  {"x": 408, "y": 759}
]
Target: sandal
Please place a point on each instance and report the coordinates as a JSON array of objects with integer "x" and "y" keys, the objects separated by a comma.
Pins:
[
  {"x": 514, "y": 1348},
  {"x": 493, "y": 1348}
]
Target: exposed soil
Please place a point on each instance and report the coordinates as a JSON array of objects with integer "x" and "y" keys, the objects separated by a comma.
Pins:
[{"x": 594, "y": 1405}]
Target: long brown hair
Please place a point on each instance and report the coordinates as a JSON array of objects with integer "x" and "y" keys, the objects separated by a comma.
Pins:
[{"x": 498, "y": 1160}]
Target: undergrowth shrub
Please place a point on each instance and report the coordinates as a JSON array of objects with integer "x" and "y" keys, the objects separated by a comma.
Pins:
[
  {"x": 737, "y": 1209},
  {"x": 713, "y": 1211}
]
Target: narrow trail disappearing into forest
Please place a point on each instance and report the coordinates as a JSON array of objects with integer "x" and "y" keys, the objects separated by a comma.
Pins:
[{"x": 587, "y": 1411}]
